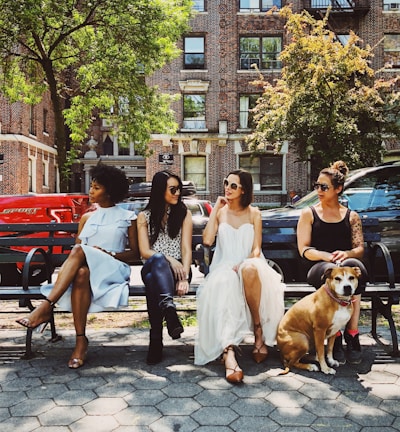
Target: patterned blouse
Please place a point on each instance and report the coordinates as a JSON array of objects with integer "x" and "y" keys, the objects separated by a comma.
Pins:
[{"x": 164, "y": 243}]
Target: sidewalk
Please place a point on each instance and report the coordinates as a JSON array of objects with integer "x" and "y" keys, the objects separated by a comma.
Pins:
[{"x": 117, "y": 391}]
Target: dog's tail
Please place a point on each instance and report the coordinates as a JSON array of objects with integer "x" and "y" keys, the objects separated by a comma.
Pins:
[{"x": 285, "y": 371}]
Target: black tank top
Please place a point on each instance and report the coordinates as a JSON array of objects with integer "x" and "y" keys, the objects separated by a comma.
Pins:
[{"x": 331, "y": 236}]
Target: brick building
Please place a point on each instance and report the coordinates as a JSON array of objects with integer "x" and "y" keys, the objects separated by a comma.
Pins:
[{"x": 213, "y": 75}]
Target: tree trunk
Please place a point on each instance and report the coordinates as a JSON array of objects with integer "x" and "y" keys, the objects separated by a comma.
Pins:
[{"x": 60, "y": 137}]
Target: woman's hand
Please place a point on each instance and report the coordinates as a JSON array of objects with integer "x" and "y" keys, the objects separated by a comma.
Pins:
[
  {"x": 182, "y": 287},
  {"x": 339, "y": 256},
  {"x": 177, "y": 269}
]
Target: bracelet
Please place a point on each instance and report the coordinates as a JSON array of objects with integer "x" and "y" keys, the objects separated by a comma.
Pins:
[{"x": 305, "y": 250}]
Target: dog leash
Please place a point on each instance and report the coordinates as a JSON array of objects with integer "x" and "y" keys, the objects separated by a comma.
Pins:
[{"x": 340, "y": 301}]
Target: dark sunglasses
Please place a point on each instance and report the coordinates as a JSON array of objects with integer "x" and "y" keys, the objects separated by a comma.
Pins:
[
  {"x": 233, "y": 186},
  {"x": 174, "y": 189},
  {"x": 324, "y": 187}
]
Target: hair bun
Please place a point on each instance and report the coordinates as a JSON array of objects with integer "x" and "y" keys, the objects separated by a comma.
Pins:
[{"x": 341, "y": 167}]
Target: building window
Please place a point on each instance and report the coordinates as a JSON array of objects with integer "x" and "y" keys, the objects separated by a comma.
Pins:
[
  {"x": 199, "y": 5},
  {"x": 258, "y": 5},
  {"x": 45, "y": 120},
  {"x": 45, "y": 174},
  {"x": 195, "y": 171},
  {"x": 260, "y": 51},
  {"x": 31, "y": 175},
  {"x": 194, "y": 111},
  {"x": 247, "y": 103},
  {"x": 343, "y": 38},
  {"x": 194, "y": 57},
  {"x": 32, "y": 120},
  {"x": 390, "y": 5},
  {"x": 266, "y": 171},
  {"x": 391, "y": 47}
]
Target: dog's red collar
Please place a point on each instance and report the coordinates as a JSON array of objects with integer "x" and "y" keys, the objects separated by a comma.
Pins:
[{"x": 337, "y": 300}]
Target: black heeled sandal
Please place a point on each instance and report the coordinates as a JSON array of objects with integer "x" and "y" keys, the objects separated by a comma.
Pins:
[
  {"x": 25, "y": 322},
  {"x": 236, "y": 377},
  {"x": 76, "y": 363}
]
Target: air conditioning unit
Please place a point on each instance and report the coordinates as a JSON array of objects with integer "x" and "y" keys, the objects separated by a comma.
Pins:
[
  {"x": 394, "y": 6},
  {"x": 245, "y": 63}
]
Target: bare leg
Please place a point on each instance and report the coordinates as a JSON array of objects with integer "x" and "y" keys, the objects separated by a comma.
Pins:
[
  {"x": 80, "y": 299},
  {"x": 66, "y": 275},
  {"x": 252, "y": 289}
]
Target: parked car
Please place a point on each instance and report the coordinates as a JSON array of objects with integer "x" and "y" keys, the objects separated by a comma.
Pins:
[
  {"x": 372, "y": 192},
  {"x": 37, "y": 208}
]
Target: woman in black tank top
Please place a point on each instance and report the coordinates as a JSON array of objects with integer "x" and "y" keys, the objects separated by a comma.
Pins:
[{"x": 329, "y": 234}]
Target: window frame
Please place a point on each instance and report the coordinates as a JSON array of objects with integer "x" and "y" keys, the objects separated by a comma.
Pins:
[
  {"x": 200, "y": 5},
  {"x": 262, "y": 5},
  {"x": 259, "y": 177},
  {"x": 245, "y": 115},
  {"x": 194, "y": 122},
  {"x": 260, "y": 57},
  {"x": 387, "y": 57},
  {"x": 187, "y": 53},
  {"x": 188, "y": 175}
]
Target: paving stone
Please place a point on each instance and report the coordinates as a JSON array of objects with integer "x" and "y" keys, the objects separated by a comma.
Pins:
[
  {"x": 174, "y": 423},
  {"x": 216, "y": 398},
  {"x": 132, "y": 416},
  {"x": 292, "y": 417},
  {"x": 258, "y": 424},
  {"x": 104, "y": 406},
  {"x": 182, "y": 390},
  {"x": 335, "y": 424},
  {"x": 60, "y": 416},
  {"x": 287, "y": 399},
  {"x": 319, "y": 391},
  {"x": 20, "y": 424},
  {"x": 145, "y": 397},
  {"x": 252, "y": 407},
  {"x": 371, "y": 417},
  {"x": 10, "y": 398},
  {"x": 32, "y": 407},
  {"x": 114, "y": 390},
  {"x": 178, "y": 406},
  {"x": 4, "y": 414},
  {"x": 47, "y": 391},
  {"x": 328, "y": 408},
  {"x": 86, "y": 383},
  {"x": 216, "y": 416},
  {"x": 75, "y": 397},
  {"x": 98, "y": 423}
]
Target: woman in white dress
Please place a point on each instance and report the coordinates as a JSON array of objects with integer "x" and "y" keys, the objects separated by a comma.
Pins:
[
  {"x": 96, "y": 274},
  {"x": 242, "y": 293}
]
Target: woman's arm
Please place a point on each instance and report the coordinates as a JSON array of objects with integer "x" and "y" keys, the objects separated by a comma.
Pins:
[
  {"x": 257, "y": 243},
  {"x": 186, "y": 243},
  {"x": 210, "y": 230},
  {"x": 131, "y": 254},
  {"x": 143, "y": 237},
  {"x": 304, "y": 246}
]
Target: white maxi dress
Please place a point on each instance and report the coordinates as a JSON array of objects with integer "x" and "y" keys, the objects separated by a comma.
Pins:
[
  {"x": 222, "y": 313},
  {"x": 106, "y": 228}
]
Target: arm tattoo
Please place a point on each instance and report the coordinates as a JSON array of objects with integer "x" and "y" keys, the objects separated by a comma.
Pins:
[{"x": 357, "y": 238}]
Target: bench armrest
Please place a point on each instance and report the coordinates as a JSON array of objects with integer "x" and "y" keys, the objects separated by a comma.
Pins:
[
  {"x": 27, "y": 265},
  {"x": 378, "y": 248}
]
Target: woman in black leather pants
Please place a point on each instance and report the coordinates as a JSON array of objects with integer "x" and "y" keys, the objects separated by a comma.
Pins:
[{"x": 165, "y": 244}]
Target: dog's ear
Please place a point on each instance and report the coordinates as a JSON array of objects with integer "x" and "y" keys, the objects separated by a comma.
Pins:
[
  {"x": 357, "y": 271},
  {"x": 327, "y": 273}
]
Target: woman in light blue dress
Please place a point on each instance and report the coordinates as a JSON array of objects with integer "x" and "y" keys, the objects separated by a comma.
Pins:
[{"x": 96, "y": 274}]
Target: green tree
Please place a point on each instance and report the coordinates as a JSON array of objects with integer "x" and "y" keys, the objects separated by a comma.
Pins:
[
  {"x": 328, "y": 102},
  {"x": 93, "y": 57}
]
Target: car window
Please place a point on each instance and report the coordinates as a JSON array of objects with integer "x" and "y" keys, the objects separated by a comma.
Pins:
[
  {"x": 374, "y": 191},
  {"x": 194, "y": 208}
]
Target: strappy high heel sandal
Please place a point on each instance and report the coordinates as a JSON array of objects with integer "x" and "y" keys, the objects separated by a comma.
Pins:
[
  {"x": 25, "y": 322},
  {"x": 76, "y": 363},
  {"x": 257, "y": 355},
  {"x": 236, "y": 377}
]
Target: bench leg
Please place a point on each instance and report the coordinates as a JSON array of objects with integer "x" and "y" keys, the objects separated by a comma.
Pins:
[
  {"x": 386, "y": 311},
  {"x": 28, "y": 345}
]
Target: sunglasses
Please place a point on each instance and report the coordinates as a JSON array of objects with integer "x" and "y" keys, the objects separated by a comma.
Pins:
[
  {"x": 174, "y": 189},
  {"x": 233, "y": 186},
  {"x": 324, "y": 187}
]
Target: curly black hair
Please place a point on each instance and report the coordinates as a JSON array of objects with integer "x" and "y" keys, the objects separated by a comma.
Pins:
[{"x": 113, "y": 179}]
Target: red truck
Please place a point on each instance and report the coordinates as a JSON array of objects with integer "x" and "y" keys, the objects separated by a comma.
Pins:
[{"x": 38, "y": 208}]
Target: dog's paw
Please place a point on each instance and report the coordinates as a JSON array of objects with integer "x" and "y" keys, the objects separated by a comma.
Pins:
[
  {"x": 313, "y": 367},
  {"x": 332, "y": 362},
  {"x": 328, "y": 371}
]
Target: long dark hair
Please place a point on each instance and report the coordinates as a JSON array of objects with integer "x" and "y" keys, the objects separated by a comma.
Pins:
[
  {"x": 246, "y": 181},
  {"x": 156, "y": 206}
]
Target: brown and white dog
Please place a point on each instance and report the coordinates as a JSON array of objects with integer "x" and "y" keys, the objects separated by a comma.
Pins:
[{"x": 317, "y": 317}]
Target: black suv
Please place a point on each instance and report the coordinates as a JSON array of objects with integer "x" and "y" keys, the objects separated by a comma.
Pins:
[{"x": 371, "y": 192}]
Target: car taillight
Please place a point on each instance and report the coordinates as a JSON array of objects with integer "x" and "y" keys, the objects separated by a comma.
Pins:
[{"x": 61, "y": 215}]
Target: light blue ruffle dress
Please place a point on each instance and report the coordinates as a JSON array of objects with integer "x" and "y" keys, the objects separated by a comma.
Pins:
[{"x": 106, "y": 228}]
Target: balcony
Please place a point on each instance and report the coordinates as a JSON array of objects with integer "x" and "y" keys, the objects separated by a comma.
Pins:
[{"x": 356, "y": 7}]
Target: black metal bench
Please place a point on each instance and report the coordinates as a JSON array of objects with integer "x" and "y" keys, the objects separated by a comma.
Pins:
[
  {"x": 37, "y": 250},
  {"x": 279, "y": 243}
]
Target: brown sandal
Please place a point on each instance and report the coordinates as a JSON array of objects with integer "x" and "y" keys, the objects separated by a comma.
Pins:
[
  {"x": 236, "y": 377},
  {"x": 257, "y": 355}
]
